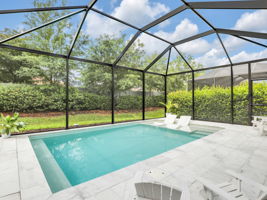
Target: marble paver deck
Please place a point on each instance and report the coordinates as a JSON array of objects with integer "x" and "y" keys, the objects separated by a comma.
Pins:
[{"x": 236, "y": 147}]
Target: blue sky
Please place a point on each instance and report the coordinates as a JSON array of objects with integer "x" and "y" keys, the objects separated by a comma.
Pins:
[{"x": 141, "y": 12}]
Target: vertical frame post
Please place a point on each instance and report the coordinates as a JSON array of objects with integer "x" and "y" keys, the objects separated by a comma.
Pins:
[
  {"x": 67, "y": 94},
  {"x": 144, "y": 95},
  {"x": 165, "y": 93},
  {"x": 193, "y": 95},
  {"x": 232, "y": 94},
  {"x": 112, "y": 95},
  {"x": 250, "y": 95}
]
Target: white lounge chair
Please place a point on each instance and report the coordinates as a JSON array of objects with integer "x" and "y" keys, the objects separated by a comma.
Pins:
[
  {"x": 182, "y": 122},
  {"x": 260, "y": 122},
  {"x": 256, "y": 121},
  {"x": 169, "y": 119},
  {"x": 157, "y": 191},
  {"x": 263, "y": 127},
  {"x": 232, "y": 190}
]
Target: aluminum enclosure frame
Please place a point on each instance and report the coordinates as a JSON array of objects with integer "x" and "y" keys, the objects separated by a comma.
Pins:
[{"x": 171, "y": 45}]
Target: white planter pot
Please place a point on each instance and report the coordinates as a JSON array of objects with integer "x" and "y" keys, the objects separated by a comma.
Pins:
[{"x": 5, "y": 136}]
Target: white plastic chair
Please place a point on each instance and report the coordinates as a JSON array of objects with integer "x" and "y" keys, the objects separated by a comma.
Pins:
[
  {"x": 263, "y": 127},
  {"x": 256, "y": 121},
  {"x": 182, "y": 122},
  {"x": 232, "y": 190},
  {"x": 260, "y": 122},
  {"x": 154, "y": 190},
  {"x": 169, "y": 119}
]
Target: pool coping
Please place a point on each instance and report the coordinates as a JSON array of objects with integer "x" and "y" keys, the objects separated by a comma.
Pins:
[
  {"x": 27, "y": 166},
  {"x": 38, "y": 188}
]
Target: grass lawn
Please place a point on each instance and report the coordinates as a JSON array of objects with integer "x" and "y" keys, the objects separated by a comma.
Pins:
[{"x": 85, "y": 119}]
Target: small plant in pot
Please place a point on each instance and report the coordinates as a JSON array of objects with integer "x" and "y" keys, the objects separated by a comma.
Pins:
[
  {"x": 169, "y": 105},
  {"x": 9, "y": 124}
]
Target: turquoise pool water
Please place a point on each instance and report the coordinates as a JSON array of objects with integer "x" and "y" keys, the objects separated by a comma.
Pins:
[{"x": 71, "y": 157}]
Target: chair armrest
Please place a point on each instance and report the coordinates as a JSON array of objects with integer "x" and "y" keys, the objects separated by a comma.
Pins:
[
  {"x": 247, "y": 180},
  {"x": 214, "y": 189},
  {"x": 185, "y": 194}
]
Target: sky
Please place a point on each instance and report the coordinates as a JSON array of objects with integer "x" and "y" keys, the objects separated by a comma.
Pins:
[{"x": 207, "y": 51}]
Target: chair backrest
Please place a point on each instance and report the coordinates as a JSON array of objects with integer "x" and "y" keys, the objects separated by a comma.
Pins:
[
  {"x": 170, "y": 119},
  {"x": 157, "y": 191},
  {"x": 263, "y": 196},
  {"x": 184, "y": 120}
]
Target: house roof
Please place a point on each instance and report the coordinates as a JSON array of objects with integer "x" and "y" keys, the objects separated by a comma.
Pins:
[{"x": 239, "y": 70}]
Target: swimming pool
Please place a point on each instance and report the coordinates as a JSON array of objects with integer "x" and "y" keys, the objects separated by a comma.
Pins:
[{"x": 69, "y": 158}]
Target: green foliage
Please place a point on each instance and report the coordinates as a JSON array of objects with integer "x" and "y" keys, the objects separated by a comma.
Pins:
[
  {"x": 48, "y": 98},
  {"x": 170, "y": 106},
  {"x": 10, "y": 124},
  {"x": 31, "y": 98},
  {"x": 21, "y": 67},
  {"x": 183, "y": 99},
  {"x": 241, "y": 103},
  {"x": 214, "y": 103}
]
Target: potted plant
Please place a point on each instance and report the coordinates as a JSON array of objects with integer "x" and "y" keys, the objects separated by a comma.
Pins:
[
  {"x": 9, "y": 124},
  {"x": 169, "y": 105}
]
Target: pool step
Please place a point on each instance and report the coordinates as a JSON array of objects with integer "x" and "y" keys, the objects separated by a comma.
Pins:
[
  {"x": 200, "y": 133},
  {"x": 53, "y": 173}
]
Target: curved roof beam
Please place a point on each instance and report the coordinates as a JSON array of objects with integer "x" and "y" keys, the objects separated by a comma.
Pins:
[
  {"x": 191, "y": 68},
  {"x": 165, "y": 17},
  {"x": 40, "y": 9},
  {"x": 200, "y": 35},
  {"x": 158, "y": 57},
  {"x": 229, "y": 5},
  {"x": 209, "y": 24},
  {"x": 242, "y": 33},
  {"x": 168, "y": 62},
  {"x": 222, "y": 66},
  {"x": 148, "y": 26},
  {"x": 90, "y": 5},
  {"x": 252, "y": 41},
  {"x": 42, "y": 26}
]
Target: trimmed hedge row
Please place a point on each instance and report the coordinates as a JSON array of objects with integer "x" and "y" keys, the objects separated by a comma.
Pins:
[
  {"x": 43, "y": 98},
  {"x": 214, "y": 103},
  {"x": 211, "y": 103}
]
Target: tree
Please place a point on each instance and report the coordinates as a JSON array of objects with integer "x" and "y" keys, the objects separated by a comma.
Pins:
[
  {"x": 182, "y": 81},
  {"x": 106, "y": 48},
  {"x": 55, "y": 38},
  {"x": 16, "y": 66}
]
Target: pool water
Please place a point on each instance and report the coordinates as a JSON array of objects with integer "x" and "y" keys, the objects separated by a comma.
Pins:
[{"x": 72, "y": 157}]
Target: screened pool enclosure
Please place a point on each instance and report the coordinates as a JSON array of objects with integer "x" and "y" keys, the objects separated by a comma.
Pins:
[{"x": 66, "y": 64}]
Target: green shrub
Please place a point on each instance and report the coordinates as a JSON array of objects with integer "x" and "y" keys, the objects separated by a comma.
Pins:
[
  {"x": 211, "y": 103},
  {"x": 47, "y": 98},
  {"x": 214, "y": 103}
]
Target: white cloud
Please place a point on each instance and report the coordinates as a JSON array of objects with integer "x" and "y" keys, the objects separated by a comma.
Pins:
[
  {"x": 136, "y": 12},
  {"x": 151, "y": 44},
  {"x": 183, "y": 30},
  {"x": 139, "y": 12},
  {"x": 250, "y": 21},
  {"x": 232, "y": 43},
  {"x": 97, "y": 25},
  {"x": 244, "y": 56},
  {"x": 212, "y": 58},
  {"x": 253, "y": 21},
  {"x": 113, "y": 2},
  {"x": 195, "y": 47},
  {"x": 164, "y": 23}
]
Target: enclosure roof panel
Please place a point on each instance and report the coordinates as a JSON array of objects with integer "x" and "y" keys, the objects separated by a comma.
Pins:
[{"x": 146, "y": 28}]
